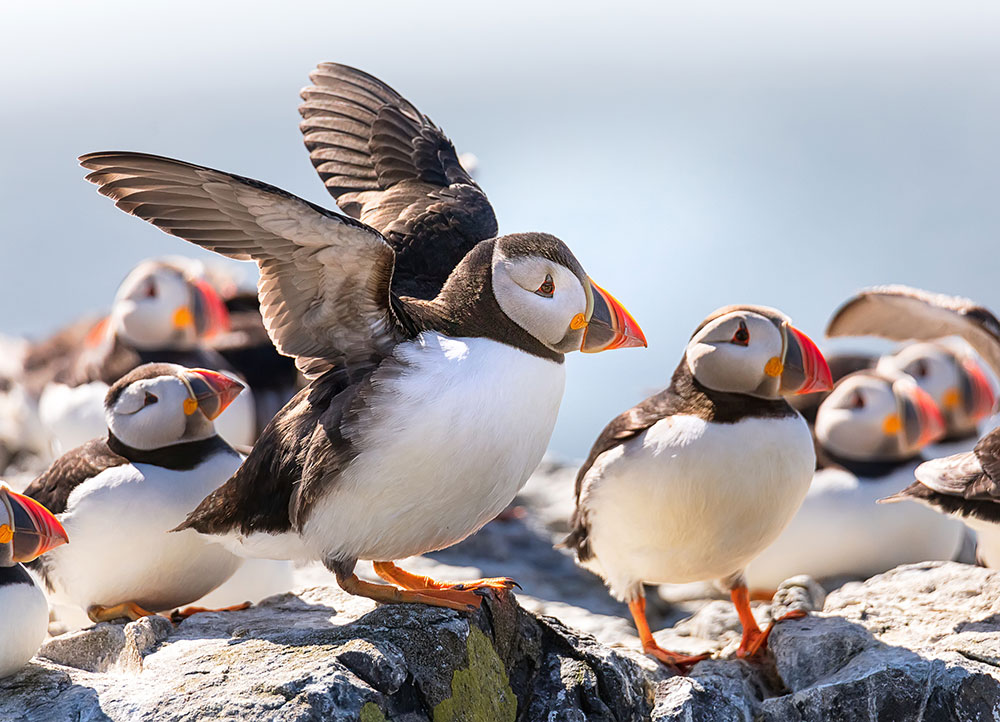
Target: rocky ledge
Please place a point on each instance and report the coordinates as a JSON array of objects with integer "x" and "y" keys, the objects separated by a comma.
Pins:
[{"x": 921, "y": 642}]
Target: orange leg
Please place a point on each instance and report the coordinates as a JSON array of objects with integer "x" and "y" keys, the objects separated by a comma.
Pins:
[
  {"x": 762, "y": 595},
  {"x": 180, "y": 614},
  {"x": 416, "y": 582},
  {"x": 681, "y": 663},
  {"x": 452, "y": 599},
  {"x": 754, "y": 640},
  {"x": 125, "y": 610}
]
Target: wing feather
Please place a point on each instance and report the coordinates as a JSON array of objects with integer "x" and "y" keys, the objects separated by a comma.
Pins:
[
  {"x": 388, "y": 165},
  {"x": 902, "y": 313},
  {"x": 324, "y": 278}
]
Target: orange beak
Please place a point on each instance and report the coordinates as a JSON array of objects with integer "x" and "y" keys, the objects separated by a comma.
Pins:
[
  {"x": 610, "y": 325},
  {"x": 804, "y": 370},
  {"x": 211, "y": 392},
  {"x": 28, "y": 526}
]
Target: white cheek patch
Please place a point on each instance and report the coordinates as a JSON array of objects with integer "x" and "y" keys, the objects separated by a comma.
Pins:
[{"x": 546, "y": 319}]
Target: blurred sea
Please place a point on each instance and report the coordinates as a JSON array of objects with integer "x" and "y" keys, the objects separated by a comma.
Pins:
[{"x": 692, "y": 155}]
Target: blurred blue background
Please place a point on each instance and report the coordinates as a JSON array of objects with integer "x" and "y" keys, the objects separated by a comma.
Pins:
[{"x": 691, "y": 154}]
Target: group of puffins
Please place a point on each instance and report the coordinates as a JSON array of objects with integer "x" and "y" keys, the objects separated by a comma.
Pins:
[{"x": 406, "y": 366}]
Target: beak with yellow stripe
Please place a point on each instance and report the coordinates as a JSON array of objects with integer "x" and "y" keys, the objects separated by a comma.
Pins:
[
  {"x": 210, "y": 392},
  {"x": 27, "y": 529},
  {"x": 878, "y": 416}
]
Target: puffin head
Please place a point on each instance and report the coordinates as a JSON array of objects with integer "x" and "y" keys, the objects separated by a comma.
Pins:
[
  {"x": 953, "y": 376},
  {"x": 27, "y": 529},
  {"x": 158, "y": 405},
  {"x": 541, "y": 287},
  {"x": 878, "y": 416},
  {"x": 755, "y": 350},
  {"x": 158, "y": 306}
]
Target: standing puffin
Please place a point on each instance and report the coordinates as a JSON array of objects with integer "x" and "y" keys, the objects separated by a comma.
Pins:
[
  {"x": 869, "y": 433},
  {"x": 424, "y": 414},
  {"x": 120, "y": 495},
  {"x": 161, "y": 313},
  {"x": 27, "y": 530},
  {"x": 964, "y": 485},
  {"x": 694, "y": 482}
]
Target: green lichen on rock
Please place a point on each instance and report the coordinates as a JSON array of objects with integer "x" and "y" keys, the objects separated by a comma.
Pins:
[
  {"x": 481, "y": 692},
  {"x": 371, "y": 713}
]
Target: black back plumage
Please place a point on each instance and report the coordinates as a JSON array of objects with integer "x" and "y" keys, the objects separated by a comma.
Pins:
[{"x": 389, "y": 166}]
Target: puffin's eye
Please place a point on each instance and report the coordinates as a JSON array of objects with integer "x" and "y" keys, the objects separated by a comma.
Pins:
[
  {"x": 547, "y": 288},
  {"x": 149, "y": 400},
  {"x": 742, "y": 336},
  {"x": 151, "y": 290},
  {"x": 857, "y": 401},
  {"x": 918, "y": 369}
]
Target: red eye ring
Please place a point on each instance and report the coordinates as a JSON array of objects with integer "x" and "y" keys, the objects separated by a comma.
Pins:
[
  {"x": 547, "y": 288},
  {"x": 742, "y": 336}
]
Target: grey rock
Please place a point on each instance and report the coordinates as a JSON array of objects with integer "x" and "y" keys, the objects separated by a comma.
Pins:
[{"x": 323, "y": 655}]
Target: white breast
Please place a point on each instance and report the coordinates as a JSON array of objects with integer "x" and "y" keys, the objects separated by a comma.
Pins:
[
  {"x": 689, "y": 500},
  {"x": 448, "y": 443},
  {"x": 121, "y": 548},
  {"x": 24, "y": 620},
  {"x": 841, "y": 531}
]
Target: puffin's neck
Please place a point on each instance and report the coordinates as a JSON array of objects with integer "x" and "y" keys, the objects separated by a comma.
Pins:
[
  {"x": 722, "y": 407},
  {"x": 177, "y": 457},
  {"x": 866, "y": 469},
  {"x": 467, "y": 308}
]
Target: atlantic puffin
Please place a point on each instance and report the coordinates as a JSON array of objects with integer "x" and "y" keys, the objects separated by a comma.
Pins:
[
  {"x": 870, "y": 433},
  {"x": 118, "y": 497},
  {"x": 27, "y": 530},
  {"x": 161, "y": 313},
  {"x": 963, "y": 485},
  {"x": 424, "y": 414},
  {"x": 952, "y": 373},
  {"x": 695, "y": 481}
]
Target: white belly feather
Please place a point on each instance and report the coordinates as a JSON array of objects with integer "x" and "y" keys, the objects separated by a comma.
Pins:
[
  {"x": 449, "y": 443},
  {"x": 689, "y": 500},
  {"x": 120, "y": 549},
  {"x": 24, "y": 621},
  {"x": 841, "y": 531}
]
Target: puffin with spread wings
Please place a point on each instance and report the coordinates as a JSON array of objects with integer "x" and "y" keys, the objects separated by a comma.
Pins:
[{"x": 434, "y": 348}]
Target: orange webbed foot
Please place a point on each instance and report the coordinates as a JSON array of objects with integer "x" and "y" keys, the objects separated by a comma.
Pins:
[
  {"x": 754, "y": 641},
  {"x": 179, "y": 615}
]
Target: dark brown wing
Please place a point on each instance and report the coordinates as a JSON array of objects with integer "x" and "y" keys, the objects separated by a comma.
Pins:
[
  {"x": 901, "y": 313},
  {"x": 389, "y": 166},
  {"x": 302, "y": 450},
  {"x": 964, "y": 484},
  {"x": 70, "y": 470},
  {"x": 622, "y": 428},
  {"x": 324, "y": 278}
]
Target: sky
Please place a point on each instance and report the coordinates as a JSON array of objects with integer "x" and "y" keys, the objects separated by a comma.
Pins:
[{"x": 691, "y": 155}]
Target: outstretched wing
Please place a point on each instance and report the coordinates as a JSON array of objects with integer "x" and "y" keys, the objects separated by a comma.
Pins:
[
  {"x": 901, "y": 313},
  {"x": 388, "y": 165},
  {"x": 324, "y": 278}
]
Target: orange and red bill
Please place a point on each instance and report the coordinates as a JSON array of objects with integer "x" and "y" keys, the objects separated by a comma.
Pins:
[
  {"x": 804, "y": 368},
  {"x": 610, "y": 326},
  {"x": 211, "y": 392},
  {"x": 27, "y": 528}
]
